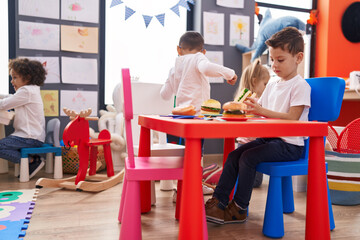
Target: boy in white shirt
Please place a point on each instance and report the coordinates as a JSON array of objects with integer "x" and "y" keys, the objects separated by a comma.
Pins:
[
  {"x": 286, "y": 98},
  {"x": 188, "y": 80}
]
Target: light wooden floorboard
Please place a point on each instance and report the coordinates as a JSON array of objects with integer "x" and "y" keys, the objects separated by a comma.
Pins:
[{"x": 68, "y": 215}]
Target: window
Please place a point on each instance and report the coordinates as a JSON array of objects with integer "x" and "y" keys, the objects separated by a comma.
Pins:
[
  {"x": 4, "y": 48},
  {"x": 148, "y": 52}
]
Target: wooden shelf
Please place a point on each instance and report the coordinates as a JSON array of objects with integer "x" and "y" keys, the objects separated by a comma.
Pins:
[{"x": 350, "y": 94}]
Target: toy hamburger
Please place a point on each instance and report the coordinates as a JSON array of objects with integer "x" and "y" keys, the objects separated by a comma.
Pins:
[
  {"x": 234, "y": 109},
  {"x": 211, "y": 107}
]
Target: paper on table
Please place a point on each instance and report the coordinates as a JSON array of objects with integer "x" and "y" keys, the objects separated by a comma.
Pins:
[
  {"x": 6, "y": 116},
  {"x": 39, "y": 8},
  {"x": 79, "y": 100},
  {"x": 79, "y": 70},
  {"x": 41, "y": 36},
  {"x": 80, "y": 10},
  {"x": 79, "y": 39},
  {"x": 213, "y": 28},
  {"x": 52, "y": 67}
]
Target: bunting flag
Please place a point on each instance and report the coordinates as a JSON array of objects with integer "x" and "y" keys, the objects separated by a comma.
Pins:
[
  {"x": 115, "y": 2},
  {"x": 147, "y": 20},
  {"x": 175, "y": 9},
  {"x": 160, "y": 17},
  {"x": 184, "y": 4},
  {"x": 128, "y": 12}
]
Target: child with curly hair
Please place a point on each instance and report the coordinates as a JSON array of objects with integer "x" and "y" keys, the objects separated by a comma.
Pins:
[{"x": 29, "y": 121}]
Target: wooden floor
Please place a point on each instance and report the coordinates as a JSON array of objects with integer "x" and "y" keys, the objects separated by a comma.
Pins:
[{"x": 67, "y": 215}]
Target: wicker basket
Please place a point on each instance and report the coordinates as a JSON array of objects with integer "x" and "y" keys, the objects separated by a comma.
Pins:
[{"x": 70, "y": 159}]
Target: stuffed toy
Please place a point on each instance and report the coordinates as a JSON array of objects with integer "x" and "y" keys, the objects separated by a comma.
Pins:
[{"x": 268, "y": 27}]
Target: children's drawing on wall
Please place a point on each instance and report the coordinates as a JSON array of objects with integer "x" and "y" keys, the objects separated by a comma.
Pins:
[
  {"x": 79, "y": 39},
  {"x": 218, "y": 58},
  {"x": 239, "y": 30},
  {"x": 40, "y": 36},
  {"x": 51, "y": 102},
  {"x": 79, "y": 70},
  {"x": 231, "y": 3},
  {"x": 79, "y": 100},
  {"x": 52, "y": 67},
  {"x": 39, "y": 8},
  {"x": 213, "y": 28},
  {"x": 80, "y": 10}
]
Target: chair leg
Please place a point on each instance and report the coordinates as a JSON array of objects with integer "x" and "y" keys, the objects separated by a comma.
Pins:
[
  {"x": 58, "y": 171},
  {"x": 273, "y": 220},
  {"x": 93, "y": 159},
  {"x": 17, "y": 170},
  {"x": 49, "y": 166},
  {"x": 122, "y": 200},
  {"x": 178, "y": 199},
  {"x": 4, "y": 166},
  {"x": 331, "y": 215},
  {"x": 24, "y": 170},
  {"x": 108, "y": 160},
  {"x": 131, "y": 221},
  {"x": 287, "y": 194}
]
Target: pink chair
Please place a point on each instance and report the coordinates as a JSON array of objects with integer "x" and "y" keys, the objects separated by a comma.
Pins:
[{"x": 141, "y": 169}]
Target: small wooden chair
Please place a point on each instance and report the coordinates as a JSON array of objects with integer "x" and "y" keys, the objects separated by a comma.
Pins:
[{"x": 140, "y": 169}]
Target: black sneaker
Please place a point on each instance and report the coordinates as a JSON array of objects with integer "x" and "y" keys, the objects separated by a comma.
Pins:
[{"x": 35, "y": 166}]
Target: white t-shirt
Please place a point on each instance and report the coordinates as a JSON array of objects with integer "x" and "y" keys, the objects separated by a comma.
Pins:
[
  {"x": 279, "y": 96},
  {"x": 29, "y": 120},
  {"x": 188, "y": 80}
]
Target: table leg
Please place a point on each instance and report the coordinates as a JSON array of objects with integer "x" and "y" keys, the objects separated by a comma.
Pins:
[
  {"x": 317, "y": 210},
  {"x": 3, "y": 163},
  {"x": 229, "y": 146},
  {"x": 192, "y": 203},
  {"x": 145, "y": 186}
]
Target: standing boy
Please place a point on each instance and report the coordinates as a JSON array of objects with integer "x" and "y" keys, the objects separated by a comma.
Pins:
[
  {"x": 287, "y": 98},
  {"x": 188, "y": 80}
]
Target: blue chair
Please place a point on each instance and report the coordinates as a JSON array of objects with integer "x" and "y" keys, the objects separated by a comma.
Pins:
[
  {"x": 326, "y": 99},
  {"x": 51, "y": 145}
]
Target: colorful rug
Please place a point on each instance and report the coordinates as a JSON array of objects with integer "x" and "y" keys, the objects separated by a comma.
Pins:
[{"x": 16, "y": 207}]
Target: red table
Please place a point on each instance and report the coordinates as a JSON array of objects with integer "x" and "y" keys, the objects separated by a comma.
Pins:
[{"x": 193, "y": 130}]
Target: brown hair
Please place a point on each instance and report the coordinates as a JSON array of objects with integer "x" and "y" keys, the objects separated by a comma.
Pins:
[
  {"x": 31, "y": 70},
  {"x": 254, "y": 71},
  {"x": 289, "y": 38},
  {"x": 191, "y": 40}
]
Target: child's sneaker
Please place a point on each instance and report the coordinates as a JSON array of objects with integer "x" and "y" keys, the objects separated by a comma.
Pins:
[
  {"x": 35, "y": 166},
  {"x": 214, "y": 211},
  {"x": 234, "y": 214}
]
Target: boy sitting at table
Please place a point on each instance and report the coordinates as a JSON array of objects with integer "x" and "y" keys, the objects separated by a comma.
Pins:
[{"x": 286, "y": 98}]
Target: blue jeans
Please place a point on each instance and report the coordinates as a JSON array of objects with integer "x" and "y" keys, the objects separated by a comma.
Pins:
[
  {"x": 241, "y": 163},
  {"x": 10, "y": 147}
]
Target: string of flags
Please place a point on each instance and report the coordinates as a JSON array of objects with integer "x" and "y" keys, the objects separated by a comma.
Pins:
[{"x": 160, "y": 17}]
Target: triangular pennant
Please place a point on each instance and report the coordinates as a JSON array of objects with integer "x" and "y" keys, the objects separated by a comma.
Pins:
[
  {"x": 116, "y": 2},
  {"x": 161, "y": 18},
  {"x": 184, "y": 4},
  {"x": 191, "y": 1},
  {"x": 128, "y": 12},
  {"x": 147, "y": 20},
  {"x": 175, "y": 9}
]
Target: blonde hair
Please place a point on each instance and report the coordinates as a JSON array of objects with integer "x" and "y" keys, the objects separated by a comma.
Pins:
[{"x": 250, "y": 76}]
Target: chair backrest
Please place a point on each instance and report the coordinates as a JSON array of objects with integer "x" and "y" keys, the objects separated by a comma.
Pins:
[
  {"x": 53, "y": 132},
  {"x": 349, "y": 139},
  {"x": 128, "y": 114},
  {"x": 326, "y": 98}
]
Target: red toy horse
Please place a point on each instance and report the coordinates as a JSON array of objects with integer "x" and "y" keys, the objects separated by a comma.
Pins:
[{"x": 77, "y": 133}]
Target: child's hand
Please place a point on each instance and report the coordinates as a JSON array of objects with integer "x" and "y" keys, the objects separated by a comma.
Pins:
[
  {"x": 252, "y": 106},
  {"x": 232, "y": 81}
]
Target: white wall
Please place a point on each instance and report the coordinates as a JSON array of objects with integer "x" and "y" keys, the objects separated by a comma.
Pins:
[{"x": 4, "y": 48}]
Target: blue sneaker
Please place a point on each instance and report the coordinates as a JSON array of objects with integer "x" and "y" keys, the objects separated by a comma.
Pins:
[{"x": 35, "y": 166}]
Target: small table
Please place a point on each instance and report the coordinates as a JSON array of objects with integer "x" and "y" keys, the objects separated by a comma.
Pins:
[
  {"x": 5, "y": 117},
  {"x": 193, "y": 130}
]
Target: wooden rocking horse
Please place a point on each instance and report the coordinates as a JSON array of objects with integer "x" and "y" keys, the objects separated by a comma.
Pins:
[{"x": 77, "y": 133}]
